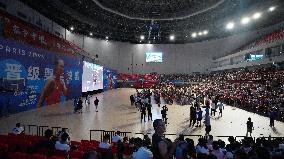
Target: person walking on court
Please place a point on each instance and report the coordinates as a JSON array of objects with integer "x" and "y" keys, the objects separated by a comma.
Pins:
[
  {"x": 272, "y": 115},
  {"x": 164, "y": 113},
  {"x": 96, "y": 102},
  {"x": 143, "y": 113},
  {"x": 249, "y": 126},
  {"x": 207, "y": 124},
  {"x": 149, "y": 111},
  {"x": 192, "y": 115}
]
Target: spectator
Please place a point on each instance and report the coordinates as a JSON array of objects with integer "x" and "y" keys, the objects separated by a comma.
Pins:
[
  {"x": 116, "y": 137},
  {"x": 105, "y": 143},
  {"x": 18, "y": 129},
  {"x": 143, "y": 152},
  {"x": 62, "y": 145},
  {"x": 161, "y": 148}
]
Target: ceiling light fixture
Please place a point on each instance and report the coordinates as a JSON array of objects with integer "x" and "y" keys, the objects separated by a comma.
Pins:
[
  {"x": 142, "y": 37},
  {"x": 230, "y": 25},
  {"x": 256, "y": 15},
  {"x": 245, "y": 20},
  {"x": 205, "y": 32},
  {"x": 172, "y": 37},
  {"x": 193, "y": 35},
  {"x": 200, "y": 33},
  {"x": 271, "y": 9},
  {"x": 91, "y": 34},
  {"x": 71, "y": 28}
]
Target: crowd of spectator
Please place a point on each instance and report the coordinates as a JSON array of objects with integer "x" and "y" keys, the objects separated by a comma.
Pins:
[{"x": 258, "y": 90}]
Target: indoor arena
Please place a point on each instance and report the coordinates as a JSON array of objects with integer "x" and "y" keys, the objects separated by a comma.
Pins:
[{"x": 125, "y": 79}]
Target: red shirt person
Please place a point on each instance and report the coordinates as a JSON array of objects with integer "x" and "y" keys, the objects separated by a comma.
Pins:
[{"x": 54, "y": 87}]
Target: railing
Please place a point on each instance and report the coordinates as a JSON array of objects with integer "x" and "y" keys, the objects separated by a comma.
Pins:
[
  {"x": 102, "y": 133},
  {"x": 40, "y": 129}
]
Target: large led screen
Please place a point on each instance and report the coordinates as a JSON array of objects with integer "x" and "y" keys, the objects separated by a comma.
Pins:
[
  {"x": 92, "y": 77},
  {"x": 154, "y": 57}
]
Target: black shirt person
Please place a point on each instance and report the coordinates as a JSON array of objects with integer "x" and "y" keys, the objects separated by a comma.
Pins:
[
  {"x": 160, "y": 147},
  {"x": 164, "y": 113},
  {"x": 149, "y": 111},
  {"x": 143, "y": 113},
  {"x": 96, "y": 102}
]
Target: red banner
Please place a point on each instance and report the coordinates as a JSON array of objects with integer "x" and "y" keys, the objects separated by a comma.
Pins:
[{"x": 19, "y": 30}]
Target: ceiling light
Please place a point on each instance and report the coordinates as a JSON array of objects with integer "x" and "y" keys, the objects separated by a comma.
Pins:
[
  {"x": 205, "y": 32},
  {"x": 142, "y": 37},
  {"x": 256, "y": 15},
  {"x": 107, "y": 37},
  {"x": 140, "y": 41},
  {"x": 245, "y": 20},
  {"x": 200, "y": 33},
  {"x": 91, "y": 34},
  {"x": 71, "y": 28},
  {"x": 149, "y": 42},
  {"x": 172, "y": 37},
  {"x": 193, "y": 35},
  {"x": 230, "y": 25},
  {"x": 271, "y": 9}
]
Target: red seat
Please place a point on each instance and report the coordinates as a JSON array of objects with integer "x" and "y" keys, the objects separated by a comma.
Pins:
[
  {"x": 19, "y": 155},
  {"x": 76, "y": 154},
  {"x": 60, "y": 153},
  {"x": 37, "y": 156},
  {"x": 56, "y": 157}
]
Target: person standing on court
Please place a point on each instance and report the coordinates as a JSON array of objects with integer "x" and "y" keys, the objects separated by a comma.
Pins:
[
  {"x": 143, "y": 113},
  {"x": 164, "y": 113},
  {"x": 96, "y": 102},
  {"x": 249, "y": 126},
  {"x": 149, "y": 111}
]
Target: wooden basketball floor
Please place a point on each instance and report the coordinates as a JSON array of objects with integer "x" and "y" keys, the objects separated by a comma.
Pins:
[{"x": 116, "y": 113}]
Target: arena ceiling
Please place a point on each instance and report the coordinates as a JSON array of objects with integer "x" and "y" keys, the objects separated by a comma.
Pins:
[{"x": 187, "y": 21}]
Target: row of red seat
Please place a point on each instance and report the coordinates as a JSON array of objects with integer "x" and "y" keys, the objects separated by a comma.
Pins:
[{"x": 19, "y": 146}]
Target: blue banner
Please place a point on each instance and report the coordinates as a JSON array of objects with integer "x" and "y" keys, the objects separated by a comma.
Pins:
[
  {"x": 32, "y": 77},
  {"x": 110, "y": 79}
]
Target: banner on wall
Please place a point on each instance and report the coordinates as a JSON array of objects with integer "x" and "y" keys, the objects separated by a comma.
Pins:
[
  {"x": 16, "y": 29},
  {"x": 31, "y": 77},
  {"x": 110, "y": 79}
]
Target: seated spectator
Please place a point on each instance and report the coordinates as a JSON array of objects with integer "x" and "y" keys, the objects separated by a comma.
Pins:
[
  {"x": 90, "y": 155},
  {"x": 116, "y": 137},
  {"x": 18, "y": 129},
  {"x": 62, "y": 145},
  {"x": 216, "y": 150},
  {"x": 105, "y": 143},
  {"x": 201, "y": 147},
  {"x": 59, "y": 133},
  {"x": 48, "y": 141},
  {"x": 143, "y": 152}
]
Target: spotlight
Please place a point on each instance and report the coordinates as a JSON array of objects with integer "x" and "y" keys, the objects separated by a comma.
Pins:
[
  {"x": 140, "y": 41},
  {"x": 256, "y": 15},
  {"x": 230, "y": 25},
  {"x": 172, "y": 37},
  {"x": 107, "y": 37},
  {"x": 245, "y": 20},
  {"x": 205, "y": 32},
  {"x": 193, "y": 35},
  {"x": 142, "y": 37},
  {"x": 271, "y": 9},
  {"x": 200, "y": 33},
  {"x": 91, "y": 34},
  {"x": 71, "y": 28}
]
